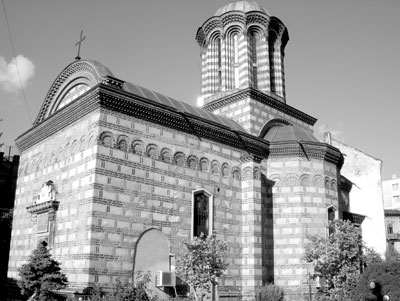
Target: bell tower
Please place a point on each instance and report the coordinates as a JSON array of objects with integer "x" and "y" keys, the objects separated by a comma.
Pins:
[{"x": 242, "y": 51}]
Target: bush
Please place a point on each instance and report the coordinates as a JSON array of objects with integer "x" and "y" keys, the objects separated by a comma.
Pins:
[
  {"x": 271, "y": 292},
  {"x": 387, "y": 277}
]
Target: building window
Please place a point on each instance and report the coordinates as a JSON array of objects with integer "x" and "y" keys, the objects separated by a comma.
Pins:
[
  {"x": 396, "y": 199},
  {"x": 395, "y": 186},
  {"x": 202, "y": 213},
  {"x": 390, "y": 229},
  {"x": 331, "y": 219}
]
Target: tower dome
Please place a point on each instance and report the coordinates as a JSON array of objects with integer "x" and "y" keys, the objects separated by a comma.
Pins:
[{"x": 243, "y": 6}]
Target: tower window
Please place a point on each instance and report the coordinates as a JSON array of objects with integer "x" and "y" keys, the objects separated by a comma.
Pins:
[
  {"x": 390, "y": 229},
  {"x": 331, "y": 219},
  {"x": 202, "y": 214}
]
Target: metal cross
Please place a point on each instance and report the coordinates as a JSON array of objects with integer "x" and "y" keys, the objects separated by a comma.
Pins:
[{"x": 79, "y": 45}]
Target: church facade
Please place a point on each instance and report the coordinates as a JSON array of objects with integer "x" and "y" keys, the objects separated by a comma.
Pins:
[{"x": 115, "y": 177}]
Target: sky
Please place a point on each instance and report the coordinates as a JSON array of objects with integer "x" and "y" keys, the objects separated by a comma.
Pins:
[{"x": 342, "y": 62}]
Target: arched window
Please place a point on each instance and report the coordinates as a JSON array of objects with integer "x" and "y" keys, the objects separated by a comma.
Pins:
[
  {"x": 235, "y": 39},
  {"x": 254, "y": 45},
  {"x": 331, "y": 218},
  {"x": 390, "y": 228},
  {"x": 272, "y": 59},
  {"x": 202, "y": 214}
]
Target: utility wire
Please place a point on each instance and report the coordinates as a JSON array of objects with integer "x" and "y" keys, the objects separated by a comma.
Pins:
[{"x": 16, "y": 63}]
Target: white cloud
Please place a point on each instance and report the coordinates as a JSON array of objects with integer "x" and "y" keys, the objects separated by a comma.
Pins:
[{"x": 9, "y": 79}]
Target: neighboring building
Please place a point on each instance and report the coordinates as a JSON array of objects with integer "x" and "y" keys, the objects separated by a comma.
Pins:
[
  {"x": 115, "y": 177},
  {"x": 392, "y": 223},
  {"x": 391, "y": 193},
  {"x": 9, "y": 160},
  {"x": 364, "y": 171}
]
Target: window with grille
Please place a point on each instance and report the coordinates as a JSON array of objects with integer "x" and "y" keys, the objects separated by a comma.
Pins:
[{"x": 202, "y": 214}]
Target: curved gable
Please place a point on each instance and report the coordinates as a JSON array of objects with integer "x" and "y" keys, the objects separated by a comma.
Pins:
[{"x": 77, "y": 78}]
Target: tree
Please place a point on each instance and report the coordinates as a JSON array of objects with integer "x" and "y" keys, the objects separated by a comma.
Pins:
[
  {"x": 201, "y": 263},
  {"x": 41, "y": 275},
  {"x": 386, "y": 275},
  {"x": 337, "y": 259}
]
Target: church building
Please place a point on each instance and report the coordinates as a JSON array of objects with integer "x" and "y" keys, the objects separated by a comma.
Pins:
[{"x": 115, "y": 177}]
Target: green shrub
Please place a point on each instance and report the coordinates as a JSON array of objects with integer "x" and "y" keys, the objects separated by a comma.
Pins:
[
  {"x": 271, "y": 292},
  {"x": 387, "y": 277}
]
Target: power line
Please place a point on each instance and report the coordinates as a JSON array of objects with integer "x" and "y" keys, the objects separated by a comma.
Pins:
[{"x": 16, "y": 63}]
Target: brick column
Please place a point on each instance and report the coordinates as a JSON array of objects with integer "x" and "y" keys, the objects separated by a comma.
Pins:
[{"x": 251, "y": 230}]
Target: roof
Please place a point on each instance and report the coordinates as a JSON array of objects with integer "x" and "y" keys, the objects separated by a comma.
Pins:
[
  {"x": 180, "y": 106},
  {"x": 392, "y": 212},
  {"x": 282, "y": 133},
  {"x": 244, "y": 6},
  {"x": 99, "y": 74}
]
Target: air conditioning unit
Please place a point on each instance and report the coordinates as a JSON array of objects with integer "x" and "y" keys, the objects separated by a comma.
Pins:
[{"x": 165, "y": 279}]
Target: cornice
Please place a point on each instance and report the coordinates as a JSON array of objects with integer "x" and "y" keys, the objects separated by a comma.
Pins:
[
  {"x": 42, "y": 207},
  {"x": 345, "y": 184},
  {"x": 142, "y": 108},
  {"x": 306, "y": 149},
  {"x": 274, "y": 102},
  {"x": 59, "y": 120},
  {"x": 111, "y": 97}
]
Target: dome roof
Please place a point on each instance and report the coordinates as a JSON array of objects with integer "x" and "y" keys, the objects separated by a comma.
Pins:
[
  {"x": 244, "y": 6},
  {"x": 289, "y": 133}
]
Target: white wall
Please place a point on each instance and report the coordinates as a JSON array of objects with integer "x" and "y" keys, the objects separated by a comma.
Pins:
[{"x": 366, "y": 196}]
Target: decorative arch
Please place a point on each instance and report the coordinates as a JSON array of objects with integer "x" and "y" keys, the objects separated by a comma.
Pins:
[
  {"x": 166, "y": 155},
  {"x": 327, "y": 183},
  {"x": 247, "y": 173},
  {"x": 179, "y": 159},
  {"x": 236, "y": 173},
  {"x": 215, "y": 167},
  {"x": 305, "y": 180},
  {"x": 257, "y": 173},
  {"x": 75, "y": 79},
  {"x": 292, "y": 180},
  {"x": 74, "y": 147},
  {"x": 272, "y": 123},
  {"x": 82, "y": 143},
  {"x": 193, "y": 162},
  {"x": 122, "y": 143},
  {"x": 152, "y": 151},
  {"x": 225, "y": 170},
  {"x": 138, "y": 147},
  {"x": 204, "y": 164},
  {"x": 333, "y": 184},
  {"x": 107, "y": 139},
  {"x": 317, "y": 181}
]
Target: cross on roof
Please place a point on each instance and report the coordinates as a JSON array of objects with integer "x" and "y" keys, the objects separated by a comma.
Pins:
[{"x": 79, "y": 45}]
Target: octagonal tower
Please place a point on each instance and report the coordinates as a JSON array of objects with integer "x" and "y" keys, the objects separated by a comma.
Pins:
[{"x": 242, "y": 46}]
